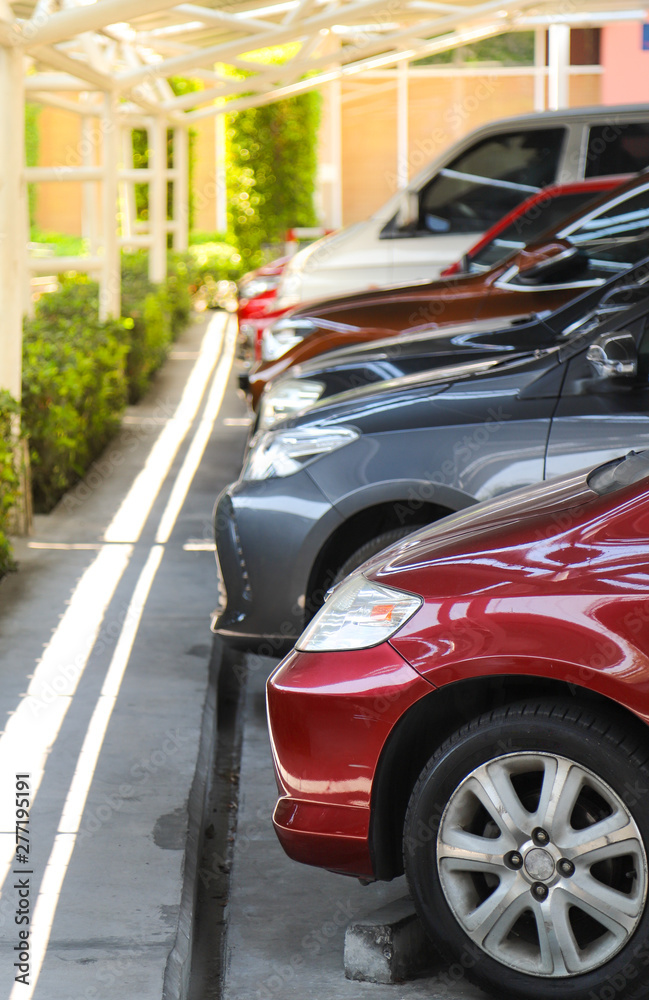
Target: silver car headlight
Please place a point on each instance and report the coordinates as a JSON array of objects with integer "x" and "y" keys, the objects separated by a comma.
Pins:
[
  {"x": 257, "y": 286},
  {"x": 276, "y": 454},
  {"x": 281, "y": 336},
  {"x": 287, "y": 398},
  {"x": 359, "y": 614}
]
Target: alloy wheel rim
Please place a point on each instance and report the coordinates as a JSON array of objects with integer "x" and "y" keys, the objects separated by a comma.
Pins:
[{"x": 542, "y": 864}]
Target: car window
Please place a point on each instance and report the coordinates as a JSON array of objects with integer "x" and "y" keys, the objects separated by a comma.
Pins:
[
  {"x": 544, "y": 214},
  {"x": 487, "y": 180},
  {"x": 617, "y": 149},
  {"x": 616, "y": 237},
  {"x": 609, "y": 242}
]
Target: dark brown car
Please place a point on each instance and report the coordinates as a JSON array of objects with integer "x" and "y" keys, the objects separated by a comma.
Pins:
[{"x": 583, "y": 251}]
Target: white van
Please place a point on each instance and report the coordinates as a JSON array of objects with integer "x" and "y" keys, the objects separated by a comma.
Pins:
[{"x": 430, "y": 224}]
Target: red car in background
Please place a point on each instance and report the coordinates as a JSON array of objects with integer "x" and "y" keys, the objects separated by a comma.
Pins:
[
  {"x": 526, "y": 221},
  {"x": 257, "y": 294},
  {"x": 473, "y": 704}
]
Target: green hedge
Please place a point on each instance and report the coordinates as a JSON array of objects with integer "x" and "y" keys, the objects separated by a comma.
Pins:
[
  {"x": 9, "y": 481},
  {"x": 74, "y": 391},
  {"x": 79, "y": 372},
  {"x": 155, "y": 315}
]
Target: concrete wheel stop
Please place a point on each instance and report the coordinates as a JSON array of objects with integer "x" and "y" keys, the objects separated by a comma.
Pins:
[{"x": 389, "y": 945}]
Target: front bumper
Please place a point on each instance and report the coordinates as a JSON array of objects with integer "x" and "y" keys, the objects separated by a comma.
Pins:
[
  {"x": 268, "y": 534},
  {"x": 329, "y": 716}
]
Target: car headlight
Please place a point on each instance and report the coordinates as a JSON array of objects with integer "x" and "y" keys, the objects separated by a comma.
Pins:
[
  {"x": 290, "y": 286},
  {"x": 258, "y": 286},
  {"x": 281, "y": 453},
  {"x": 281, "y": 336},
  {"x": 287, "y": 398},
  {"x": 359, "y": 614}
]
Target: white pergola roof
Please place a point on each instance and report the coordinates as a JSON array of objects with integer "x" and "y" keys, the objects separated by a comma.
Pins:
[{"x": 131, "y": 47}]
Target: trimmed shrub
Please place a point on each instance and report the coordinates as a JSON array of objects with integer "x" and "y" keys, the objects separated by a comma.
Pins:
[
  {"x": 146, "y": 309},
  {"x": 79, "y": 373},
  {"x": 74, "y": 391},
  {"x": 216, "y": 261}
]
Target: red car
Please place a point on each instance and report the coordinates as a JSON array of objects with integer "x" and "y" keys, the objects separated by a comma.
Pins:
[
  {"x": 257, "y": 295},
  {"x": 473, "y": 705},
  {"x": 526, "y": 221}
]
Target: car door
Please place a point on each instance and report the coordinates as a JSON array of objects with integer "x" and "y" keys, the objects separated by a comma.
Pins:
[
  {"x": 468, "y": 195},
  {"x": 599, "y": 417}
]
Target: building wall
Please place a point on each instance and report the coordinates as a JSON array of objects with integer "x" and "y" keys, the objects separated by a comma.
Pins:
[
  {"x": 442, "y": 107},
  {"x": 58, "y": 205},
  {"x": 625, "y": 64},
  {"x": 204, "y": 180}
]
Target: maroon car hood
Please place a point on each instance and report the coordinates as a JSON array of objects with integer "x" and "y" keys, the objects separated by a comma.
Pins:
[{"x": 473, "y": 530}]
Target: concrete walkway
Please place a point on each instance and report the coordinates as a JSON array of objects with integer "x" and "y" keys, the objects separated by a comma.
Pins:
[
  {"x": 105, "y": 698},
  {"x": 286, "y": 921}
]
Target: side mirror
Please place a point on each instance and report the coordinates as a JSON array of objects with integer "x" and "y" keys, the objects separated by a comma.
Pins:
[
  {"x": 614, "y": 354},
  {"x": 562, "y": 267}
]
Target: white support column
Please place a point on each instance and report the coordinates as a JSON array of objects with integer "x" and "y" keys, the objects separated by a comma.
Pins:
[
  {"x": 110, "y": 281},
  {"x": 13, "y": 217},
  {"x": 89, "y": 220},
  {"x": 559, "y": 64},
  {"x": 127, "y": 199},
  {"x": 540, "y": 60},
  {"x": 336, "y": 146},
  {"x": 181, "y": 188},
  {"x": 402, "y": 125},
  {"x": 221, "y": 176},
  {"x": 158, "y": 199}
]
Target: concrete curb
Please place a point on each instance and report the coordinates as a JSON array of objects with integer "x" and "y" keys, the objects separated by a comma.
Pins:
[{"x": 178, "y": 967}]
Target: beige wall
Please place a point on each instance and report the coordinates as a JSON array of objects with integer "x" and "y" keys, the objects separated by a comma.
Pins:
[
  {"x": 441, "y": 109},
  {"x": 205, "y": 175},
  {"x": 58, "y": 206}
]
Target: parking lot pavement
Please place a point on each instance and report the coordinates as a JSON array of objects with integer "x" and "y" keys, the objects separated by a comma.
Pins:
[
  {"x": 104, "y": 663},
  {"x": 286, "y": 921}
]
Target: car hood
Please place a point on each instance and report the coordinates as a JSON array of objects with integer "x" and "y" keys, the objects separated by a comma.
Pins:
[
  {"x": 472, "y": 533},
  {"x": 320, "y": 310},
  {"x": 509, "y": 373},
  {"x": 450, "y": 338}
]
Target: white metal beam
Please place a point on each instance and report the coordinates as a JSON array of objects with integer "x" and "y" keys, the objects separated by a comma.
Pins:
[
  {"x": 440, "y": 44},
  {"x": 54, "y": 101},
  {"x": 540, "y": 72},
  {"x": 89, "y": 216},
  {"x": 216, "y": 53},
  {"x": 13, "y": 218},
  {"x": 54, "y": 81},
  {"x": 158, "y": 199},
  {"x": 558, "y": 62},
  {"x": 75, "y": 67},
  {"x": 127, "y": 190},
  {"x": 91, "y": 17},
  {"x": 336, "y": 143},
  {"x": 111, "y": 281},
  {"x": 59, "y": 265},
  {"x": 209, "y": 15},
  {"x": 181, "y": 189}
]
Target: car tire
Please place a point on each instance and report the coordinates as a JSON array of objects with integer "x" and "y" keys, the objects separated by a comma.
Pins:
[
  {"x": 525, "y": 849},
  {"x": 368, "y": 550}
]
